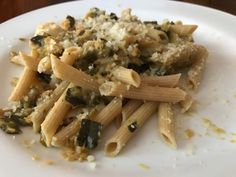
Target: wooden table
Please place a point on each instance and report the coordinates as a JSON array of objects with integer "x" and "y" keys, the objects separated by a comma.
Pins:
[{"x": 12, "y": 8}]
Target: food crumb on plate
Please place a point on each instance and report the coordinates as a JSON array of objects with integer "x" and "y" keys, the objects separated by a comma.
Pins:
[
  {"x": 28, "y": 143},
  {"x": 190, "y": 148},
  {"x": 49, "y": 162},
  {"x": 35, "y": 157},
  {"x": 90, "y": 158},
  {"x": 233, "y": 141},
  {"x": 213, "y": 127},
  {"x": 144, "y": 166},
  {"x": 92, "y": 165},
  {"x": 189, "y": 133}
]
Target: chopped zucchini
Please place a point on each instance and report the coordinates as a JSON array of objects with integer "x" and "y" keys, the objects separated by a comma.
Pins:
[{"x": 89, "y": 134}]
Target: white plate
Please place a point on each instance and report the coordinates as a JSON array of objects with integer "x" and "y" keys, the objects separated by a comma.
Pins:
[{"x": 203, "y": 155}]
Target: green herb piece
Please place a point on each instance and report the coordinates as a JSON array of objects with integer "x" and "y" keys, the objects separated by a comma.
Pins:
[
  {"x": 22, "y": 39},
  {"x": 44, "y": 77},
  {"x": 138, "y": 68},
  {"x": 38, "y": 40},
  {"x": 113, "y": 16},
  {"x": 86, "y": 61},
  {"x": 150, "y": 22},
  {"x": 89, "y": 134},
  {"x": 133, "y": 126},
  {"x": 10, "y": 125},
  {"x": 74, "y": 97},
  {"x": 71, "y": 21}
]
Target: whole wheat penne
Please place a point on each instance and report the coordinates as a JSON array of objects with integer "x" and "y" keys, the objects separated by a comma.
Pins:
[
  {"x": 157, "y": 35},
  {"x": 115, "y": 144},
  {"x": 186, "y": 103},
  {"x": 68, "y": 73},
  {"x": 166, "y": 124},
  {"x": 113, "y": 89},
  {"x": 41, "y": 110},
  {"x": 17, "y": 60},
  {"x": 144, "y": 92},
  {"x": 34, "y": 53},
  {"x": 182, "y": 55},
  {"x": 183, "y": 29},
  {"x": 26, "y": 80},
  {"x": 110, "y": 112},
  {"x": 130, "y": 107},
  {"x": 71, "y": 54},
  {"x": 163, "y": 81},
  {"x": 196, "y": 70},
  {"x": 127, "y": 76},
  {"x": 61, "y": 138},
  {"x": 54, "y": 118},
  {"x": 1, "y": 112},
  {"x": 30, "y": 62}
]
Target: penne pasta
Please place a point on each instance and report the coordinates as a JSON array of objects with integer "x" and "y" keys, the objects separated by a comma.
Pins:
[
  {"x": 71, "y": 54},
  {"x": 180, "y": 56},
  {"x": 17, "y": 60},
  {"x": 30, "y": 62},
  {"x": 186, "y": 103},
  {"x": 82, "y": 74},
  {"x": 54, "y": 118},
  {"x": 129, "y": 109},
  {"x": 34, "y": 53},
  {"x": 68, "y": 73},
  {"x": 41, "y": 110},
  {"x": 127, "y": 76},
  {"x": 144, "y": 92},
  {"x": 183, "y": 30},
  {"x": 157, "y": 35},
  {"x": 26, "y": 80},
  {"x": 110, "y": 112},
  {"x": 62, "y": 137},
  {"x": 196, "y": 70},
  {"x": 163, "y": 81},
  {"x": 166, "y": 124},
  {"x": 115, "y": 144}
]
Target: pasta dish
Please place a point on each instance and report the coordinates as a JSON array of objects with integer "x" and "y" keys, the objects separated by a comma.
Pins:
[{"x": 83, "y": 74}]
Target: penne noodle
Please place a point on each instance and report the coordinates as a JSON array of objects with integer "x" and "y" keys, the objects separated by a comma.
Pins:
[
  {"x": 186, "y": 103},
  {"x": 163, "y": 81},
  {"x": 41, "y": 110},
  {"x": 183, "y": 30},
  {"x": 183, "y": 55},
  {"x": 129, "y": 109},
  {"x": 82, "y": 75},
  {"x": 110, "y": 112},
  {"x": 26, "y": 80},
  {"x": 196, "y": 70},
  {"x": 115, "y": 144},
  {"x": 71, "y": 54},
  {"x": 30, "y": 62},
  {"x": 166, "y": 124},
  {"x": 157, "y": 35},
  {"x": 1, "y": 112},
  {"x": 34, "y": 53},
  {"x": 73, "y": 75},
  {"x": 54, "y": 118},
  {"x": 61, "y": 138},
  {"x": 127, "y": 76},
  {"x": 144, "y": 92},
  {"x": 17, "y": 60}
]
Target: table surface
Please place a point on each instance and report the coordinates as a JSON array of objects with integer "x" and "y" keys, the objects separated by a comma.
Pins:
[{"x": 12, "y": 8}]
